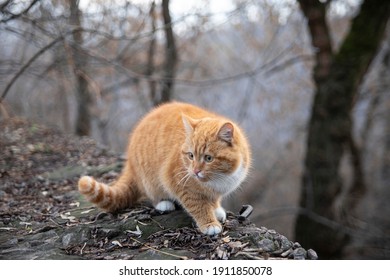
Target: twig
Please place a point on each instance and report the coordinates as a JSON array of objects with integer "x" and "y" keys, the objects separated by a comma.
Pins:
[
  {"x": 56, "y": 223},
  {"x": 25, "y": 66},
  {"x": 161, "y": 252},
  {"x": 44, "y": 229},
  {"x": 81, "y": 251},
  {"x": 8, "y": 228},
  {"x": 33, "y": 58},
  {"x": 159, "y": 225},
  {"x": 333, "y": 224},
  {"x": 4, "y": 5},
  {"x": 250, "y": 256},
  {"x": 98, "y": 216}
]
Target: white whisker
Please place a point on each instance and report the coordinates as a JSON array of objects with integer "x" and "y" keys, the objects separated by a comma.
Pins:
[
  {"x": 181, "y": 173},
  {"x": 185, "y": 178}
]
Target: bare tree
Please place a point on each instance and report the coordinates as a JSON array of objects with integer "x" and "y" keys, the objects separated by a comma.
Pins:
[
  {"x": 386, "y": 154},
  {"x": 83, "y": 119},
  {"x": 150, "y": 67},
  {"x": 170, "y": 56},
  {"x": 6, "y": 7},
  {"x": 337, "y": 76}
]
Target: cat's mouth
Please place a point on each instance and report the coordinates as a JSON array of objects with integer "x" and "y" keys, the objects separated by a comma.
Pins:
[{"x": 201, "y": 176}]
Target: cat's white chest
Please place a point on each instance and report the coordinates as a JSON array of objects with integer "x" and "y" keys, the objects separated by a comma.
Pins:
[{"x": 227, "y": 183}]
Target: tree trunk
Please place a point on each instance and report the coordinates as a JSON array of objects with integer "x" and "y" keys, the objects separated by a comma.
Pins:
[
  {"x": 315, "y": 12},
  {"x": 385, "y": 170},
  {"x": 151, "y": 53},
  {"x": 83, "y": 119},
  {"x": 330, "y": 124},
  {"x": 170, "y": 56}
]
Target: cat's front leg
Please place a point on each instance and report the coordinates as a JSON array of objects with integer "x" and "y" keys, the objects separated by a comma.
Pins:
[
  {"x": 206, "y": 220},
  {"x": 215, "y": 228},
  {"x": 206, "y": 213},
  {"x": 211, "y": 229},
  {"x": 220, "y": 214}
]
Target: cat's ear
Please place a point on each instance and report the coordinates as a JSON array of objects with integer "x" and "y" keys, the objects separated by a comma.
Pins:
[
  {"x": 189, "y": 124},
  {"x": 225, "y": 133}
]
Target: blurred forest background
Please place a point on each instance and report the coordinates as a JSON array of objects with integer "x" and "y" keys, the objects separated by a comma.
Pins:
[{"x": 308, "y": 80}]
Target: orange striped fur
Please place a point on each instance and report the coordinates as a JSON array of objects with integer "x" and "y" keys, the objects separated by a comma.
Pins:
[{"x": 178, "y": 153}]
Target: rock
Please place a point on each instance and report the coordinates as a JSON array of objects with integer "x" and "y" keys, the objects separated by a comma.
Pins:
[
  {"x": 67, "y": 239},
  {"x": 296, "y": 245},
  {"x": 169, "y": 236},
  {"x": 287, "y": 253},
  {"x": 266, "y": 245},
  {"x": 312, "y": 255},
  {"x": 285, "y": 244},
  {"x": 299, "y": 254},
  {"x": 10, "y": 243},
  {"x": 44, "y": 217}
]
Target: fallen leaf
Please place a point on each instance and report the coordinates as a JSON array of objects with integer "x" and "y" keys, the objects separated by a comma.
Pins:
[
  {"x": 7, "y": 228},
  {"x": 137, "y": 232},
  {"x": 68, "y": 217},
  {"x": 87, "y": 211},
  {"x": 235, "y": 244},
  {"x": 226, "y": 239},
  {"x": 115, "y": 242},
  {"x": 77, "y": 204},
  {"x": 222, "y": 254}
]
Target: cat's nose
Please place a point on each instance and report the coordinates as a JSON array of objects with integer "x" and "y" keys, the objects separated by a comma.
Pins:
[{"x": 198, "y": 173}]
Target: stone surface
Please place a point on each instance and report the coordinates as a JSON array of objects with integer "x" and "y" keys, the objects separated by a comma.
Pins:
[{"x": 42, "y": 216}]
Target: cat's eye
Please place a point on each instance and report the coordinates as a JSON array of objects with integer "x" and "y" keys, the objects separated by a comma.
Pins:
[
  {"x": 190, "y": 155},
  {"x": 208, "y": 158}
]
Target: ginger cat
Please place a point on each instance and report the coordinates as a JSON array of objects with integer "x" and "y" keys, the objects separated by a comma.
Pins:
[{"x": 178, "y": 153}]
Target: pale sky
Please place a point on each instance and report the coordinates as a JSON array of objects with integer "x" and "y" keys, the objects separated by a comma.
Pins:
[{"x": 182, "y": 7}]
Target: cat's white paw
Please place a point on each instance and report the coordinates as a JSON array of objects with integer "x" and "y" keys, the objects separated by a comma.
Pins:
[
  {"x": 212, "y": 229},
  {"x": 165, "y": 205},
  {"x": 220, "y": 214}
]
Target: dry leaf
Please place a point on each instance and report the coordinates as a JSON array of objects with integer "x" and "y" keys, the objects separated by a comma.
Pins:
[
  {"x": 115, "y": 242},
  {"x": 137, "y": 232},
  {"x": 68, "y": 217},
  {"x": 87, "y": 211},
  {"x": 77, "y": 204},
  {"x": 235, "y": 244},
  {"x": 226, "y": 239}
]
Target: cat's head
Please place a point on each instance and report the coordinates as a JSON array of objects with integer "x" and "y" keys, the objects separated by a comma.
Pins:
[{"x": 212, "y": 153}]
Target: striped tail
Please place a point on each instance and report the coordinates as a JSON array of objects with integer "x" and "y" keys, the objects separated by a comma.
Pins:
[{"x": 120, "y": 195}]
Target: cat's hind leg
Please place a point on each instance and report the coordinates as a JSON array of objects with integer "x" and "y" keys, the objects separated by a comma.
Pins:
[{"x": 165, "y": 206}]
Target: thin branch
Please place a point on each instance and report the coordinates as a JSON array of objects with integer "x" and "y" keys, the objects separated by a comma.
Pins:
[
  {"x": 25, "y": 66},
  {"x": 159, "y": 251},
  {"x": 150, "y": 67},
  {"x": 362, "y": 232},
  {"x": 289, "y": 62},
  {"x": 170, "y": 55},
  {"x": 35, "y": 57},
  {"x": 4, "y": 5},
  {"x": 268, "y": 68},
  {"x": 134, "y": 75},
  {"x": 14, "y": 16}
]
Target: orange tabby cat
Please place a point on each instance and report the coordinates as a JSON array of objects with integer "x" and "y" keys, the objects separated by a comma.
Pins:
[{"x": 178, "y": 153}]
